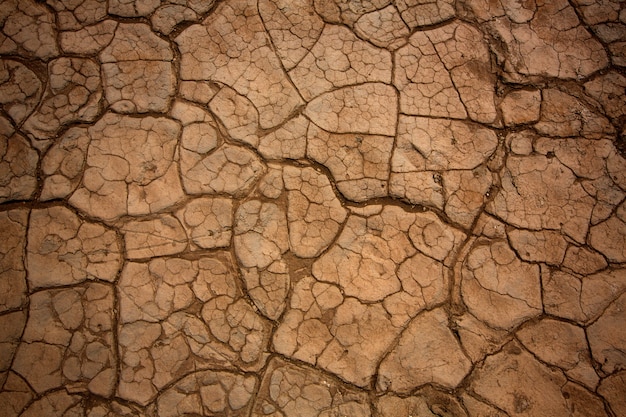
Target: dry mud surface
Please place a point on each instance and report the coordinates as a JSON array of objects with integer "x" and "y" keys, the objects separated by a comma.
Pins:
[{"x": 312, "y": 208}]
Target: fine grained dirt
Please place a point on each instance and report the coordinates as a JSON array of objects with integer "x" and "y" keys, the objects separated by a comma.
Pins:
[{"x": 312, "y": 208}]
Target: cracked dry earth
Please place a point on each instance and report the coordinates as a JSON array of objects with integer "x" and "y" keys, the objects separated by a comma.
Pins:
[{"x": 312, "y": 208}]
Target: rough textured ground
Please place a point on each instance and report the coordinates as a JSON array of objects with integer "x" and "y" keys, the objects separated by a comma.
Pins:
[{"x": 312, "y": 208}]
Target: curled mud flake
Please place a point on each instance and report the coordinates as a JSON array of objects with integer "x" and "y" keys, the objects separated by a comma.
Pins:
[
  {"x": 561, "y": 344},
  {"x": 68, "y": 335},
  {"x": 73, "y": 96},
  {"x": 13, "y": 289},
  {"x": 313, "y": 211},
  {"x": 338, "y": 59},
  {"x": 369, "y": 108},
  {"x": 63, "y": 249},
  {"x": 27, "y": 29},
  {"x": 130, "y": 167},
  {"x": 427, "y": 352},
  {"x": 498, "y": 288},
  {"x": 545, "y": 40},
  {"x": 359, "y": 163},
  {"x": 516, "y": 382},
  {"x": 231, "y": 47},
  {"x": 295, "y": 390}
]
